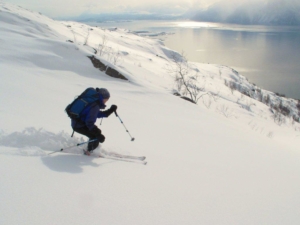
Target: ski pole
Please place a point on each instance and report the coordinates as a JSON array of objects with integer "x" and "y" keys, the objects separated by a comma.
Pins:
[
  {"x": 132, "y": 138},
  {"x": 79, "y": 144}
]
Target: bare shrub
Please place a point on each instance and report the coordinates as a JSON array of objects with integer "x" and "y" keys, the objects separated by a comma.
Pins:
[
  {"x": 87, "y": 37},
  {"x": 207, "y": 102},
  {"x": 74, "y": 37},
  {"x": 259, "y": 95},
  {"x": 225, "y": 111},
  {"x": 247, "y": 105},
  {"x": 233, "y": 86},
  {"x": 102, "y": 45},
  {"x": 270, "y": 134},
  {"x": 116, "y": 57},
  {"x": 267, "y": 99},
  {"x": 298, "y": 105},
  {"x": 278, "y": 118},
  {"x": 297, "y": 118},
  {"x": 284, "y": 109},
  {"x": 280, "y": 95},
  {"x": 185, "y": 78}
]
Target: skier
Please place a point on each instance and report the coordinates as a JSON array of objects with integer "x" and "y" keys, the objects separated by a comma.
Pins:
[{"x": 85, "y": 125}]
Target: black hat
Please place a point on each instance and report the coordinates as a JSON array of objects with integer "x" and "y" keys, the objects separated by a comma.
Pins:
[{"x": 103, "y": 92}]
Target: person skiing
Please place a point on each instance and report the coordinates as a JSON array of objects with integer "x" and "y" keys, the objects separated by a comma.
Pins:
[{"x": 85, "y": 125}]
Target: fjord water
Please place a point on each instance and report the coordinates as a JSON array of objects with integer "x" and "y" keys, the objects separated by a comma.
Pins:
[{"x": 268, "y": 56}]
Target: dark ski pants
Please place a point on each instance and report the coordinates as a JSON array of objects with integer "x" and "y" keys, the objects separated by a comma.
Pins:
[{"x": 85, "y": 131}]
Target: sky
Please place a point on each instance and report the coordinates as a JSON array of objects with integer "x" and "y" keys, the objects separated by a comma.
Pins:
[
  {"x": 62, "y": 8},
  {"x": 73, "y": 8}
]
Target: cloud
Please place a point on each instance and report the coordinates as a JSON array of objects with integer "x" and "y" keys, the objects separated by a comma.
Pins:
[
  {"x": 59, "y": 8},
  {"x": 56, "y": 8}
]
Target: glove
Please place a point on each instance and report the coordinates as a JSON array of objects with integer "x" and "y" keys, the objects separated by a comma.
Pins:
[{"x": 112, "y": 109}]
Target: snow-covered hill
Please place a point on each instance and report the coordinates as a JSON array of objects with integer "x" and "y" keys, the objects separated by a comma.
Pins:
[
  {"x": 222, "y": 161},
  {"x": 271, "y": 12}
]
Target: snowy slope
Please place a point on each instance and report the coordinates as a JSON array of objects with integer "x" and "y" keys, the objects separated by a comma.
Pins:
[{"x": 212, "y": 163}]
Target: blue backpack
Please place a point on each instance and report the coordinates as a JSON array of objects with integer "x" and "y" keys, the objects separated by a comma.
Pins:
[{"x": 88, "y": 97}]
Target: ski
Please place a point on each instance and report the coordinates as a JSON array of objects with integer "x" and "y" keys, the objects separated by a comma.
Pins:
[
  {"x": 123, "y": 159},
  {"x": 119, "y": 157},
  {"x": 113, "y": 154}
]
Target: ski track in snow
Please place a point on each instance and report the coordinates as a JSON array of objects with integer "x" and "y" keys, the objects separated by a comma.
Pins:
[{"x": 39, "y": 138}]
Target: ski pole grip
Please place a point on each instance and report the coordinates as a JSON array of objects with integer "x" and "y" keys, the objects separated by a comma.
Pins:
[{"x": 116, "y": 114}]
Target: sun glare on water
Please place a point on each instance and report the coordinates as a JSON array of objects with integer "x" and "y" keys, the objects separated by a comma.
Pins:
[{"x": 192, "y": 24}]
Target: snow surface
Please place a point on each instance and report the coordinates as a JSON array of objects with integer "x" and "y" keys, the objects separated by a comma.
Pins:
[{"x": 212, "y": 163}]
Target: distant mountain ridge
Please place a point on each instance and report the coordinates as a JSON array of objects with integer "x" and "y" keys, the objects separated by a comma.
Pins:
[
  {"x": 103, "y": 17},
  {"x": 275, "y": 12}
]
